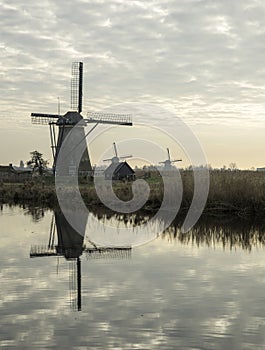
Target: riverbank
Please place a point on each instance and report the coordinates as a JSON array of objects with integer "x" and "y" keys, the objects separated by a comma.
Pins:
[{"x": 241, "y": 193}]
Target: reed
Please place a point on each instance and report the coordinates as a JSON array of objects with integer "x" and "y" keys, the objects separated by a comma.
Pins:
[
  {"x": 228, "y": 233},
  {"x": 238, "y": 192}
]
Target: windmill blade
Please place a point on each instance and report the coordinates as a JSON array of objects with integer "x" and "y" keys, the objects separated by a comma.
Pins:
[
  {"x": 123, "y": 157},
  {"x": 107, "y": 160},
  {"x": 115, "y": 149},
  {"x": 108, "y": 252},
  {"x": 162, "y": 162},
  {"x": 43, "y": 118},
  {"x": 176, "y": 160},
  {"x": 77, "y": 86},
  {"x": 37, "y": 251},
  {"x": 168, "y": 154},
  {"x": 109, "y": 118}
]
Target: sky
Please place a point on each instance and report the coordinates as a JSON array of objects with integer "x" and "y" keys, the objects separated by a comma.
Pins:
[{"x": 201, "y": 59}]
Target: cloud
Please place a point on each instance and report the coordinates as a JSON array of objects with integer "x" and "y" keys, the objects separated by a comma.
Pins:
[{"x": 203, "y": 58}]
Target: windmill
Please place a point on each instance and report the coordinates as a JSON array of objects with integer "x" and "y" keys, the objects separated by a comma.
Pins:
[
  {"x": 116, "y": 159},
  {"x": 71, "y": 246},
  {"x": 168, "y": 162},
  {"x": 68, "y": 121},
  {"x": 118, "y": 170}
]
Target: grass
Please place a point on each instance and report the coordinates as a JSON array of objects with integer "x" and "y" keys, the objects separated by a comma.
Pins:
[{"x": 231, "y": 192}]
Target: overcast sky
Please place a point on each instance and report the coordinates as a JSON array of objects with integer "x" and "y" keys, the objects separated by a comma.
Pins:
[{"x": 203, "y": 59}]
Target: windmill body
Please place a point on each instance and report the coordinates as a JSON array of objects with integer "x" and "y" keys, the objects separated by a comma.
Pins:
[{"x": 65, "y": 125}]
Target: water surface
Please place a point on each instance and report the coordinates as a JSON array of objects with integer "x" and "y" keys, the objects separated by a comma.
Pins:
[{"x": 177, "y": 292}]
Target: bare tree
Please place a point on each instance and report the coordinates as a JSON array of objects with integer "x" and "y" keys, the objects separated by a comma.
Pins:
[{"x": 233, "y": 166}]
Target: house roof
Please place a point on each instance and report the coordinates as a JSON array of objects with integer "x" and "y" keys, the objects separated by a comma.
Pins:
[
  {"x": 6, "y": 168},
  {"x": 22, "y": 169},
  {"x": 114, "y": 168},
  {"x": 14, "y": 169}
]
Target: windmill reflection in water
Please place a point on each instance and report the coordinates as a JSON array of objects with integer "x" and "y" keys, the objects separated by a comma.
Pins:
[{"x": 70, "y": 245}]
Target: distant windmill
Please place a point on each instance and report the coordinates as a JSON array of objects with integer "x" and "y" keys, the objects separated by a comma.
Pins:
[
  {"x": 168, "y": 162},
  {"x": 67, "y": 121},
  {"x": 116, "y": 159}
]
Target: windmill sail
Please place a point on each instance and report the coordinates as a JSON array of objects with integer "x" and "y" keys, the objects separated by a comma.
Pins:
[
  {"x": 43, "y": 118},
  {"x": 77, "y": 86},
  {"x": 109, "y": 118}
]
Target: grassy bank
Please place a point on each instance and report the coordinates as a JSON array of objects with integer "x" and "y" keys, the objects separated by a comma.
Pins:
[{"x": 237, "y": 192}]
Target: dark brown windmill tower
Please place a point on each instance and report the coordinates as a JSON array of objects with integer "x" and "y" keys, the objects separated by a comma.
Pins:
[{"x": 68, "y": 121}]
